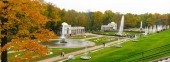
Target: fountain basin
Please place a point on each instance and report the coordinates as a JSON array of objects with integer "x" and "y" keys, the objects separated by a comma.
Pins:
[{"x": 70, "y": 43}]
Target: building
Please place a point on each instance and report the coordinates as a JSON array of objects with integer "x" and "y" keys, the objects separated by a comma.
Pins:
[
  {"x": 67, "y": 30},
  {"x": 111, "y": 26},
  {"x": 77, "y": 30}
]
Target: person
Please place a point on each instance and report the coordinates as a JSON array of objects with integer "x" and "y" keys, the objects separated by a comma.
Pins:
[
  {"x": 62, "y": 54},
  {"x": 104, "y": 44}
]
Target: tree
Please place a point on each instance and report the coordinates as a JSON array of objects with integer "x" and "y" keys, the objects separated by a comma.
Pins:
[
  {"x": 117, "y": 17},
  {"x": 131, "y": 20},
  {"x": 108, "y": 17},
  {"x": 22, "y": 29},
  {"x": 168, "y": 19},
  {"x": 150, "y": 20},
  {"x": 54, "y": 15},
  {"x": 52, "y": 12},
  {"x": 164, "y": 19},
  {"x": 82, "y": 19},
  {"x": 98, "y": 20},
  {"x": 90, "y": 21}
]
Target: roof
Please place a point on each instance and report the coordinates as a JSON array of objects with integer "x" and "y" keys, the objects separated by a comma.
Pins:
[
  {"x": 64, "y": 23},
  {"x": 112, "y": 23}
]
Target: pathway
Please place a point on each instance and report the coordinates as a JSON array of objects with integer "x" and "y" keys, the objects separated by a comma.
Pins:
[{"x": 82, "y": 51}]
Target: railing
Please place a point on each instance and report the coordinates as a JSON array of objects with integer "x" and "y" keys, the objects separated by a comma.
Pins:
[{"x": 145, "y": 55}]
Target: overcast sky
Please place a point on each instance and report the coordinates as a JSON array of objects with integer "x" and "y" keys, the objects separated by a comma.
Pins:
[{"x": 122, "y": 6}]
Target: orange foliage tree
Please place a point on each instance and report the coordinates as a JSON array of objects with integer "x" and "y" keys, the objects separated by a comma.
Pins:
[{"x": 22, "y": 29}]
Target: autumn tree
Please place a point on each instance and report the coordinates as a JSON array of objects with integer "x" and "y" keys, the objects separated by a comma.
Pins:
[
  {"x": 82, "y": 19},
  {"x": 157, "y": 20},
  {"x": 168, "y": 19},
  {"x": 52, "y": 12},
  {"x": 108, "y": 17},
  {"x": 90, "y": 21},
  {"x": 131, "y": 20},
  {"x": 150, "y": 20},
  {"x": 70, "y": 17},
  {"x": 164, "y": 18},
  {"x": 53, "y": 15},
  {"x": 143, "y": 18},
  {"x": 22, "y": 29},
  {"x": 98, "y": 19}
]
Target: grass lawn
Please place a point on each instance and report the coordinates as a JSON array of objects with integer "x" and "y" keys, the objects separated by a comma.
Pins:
[
  {"x": 131, "y": 48},
  {"x": 102, "y": 40},
  {"x": 106, "y": 32},
  {"x": 114, "y": 32},
  {"x": 80, "y": 36},
  {"x": 56, "y": 52}
]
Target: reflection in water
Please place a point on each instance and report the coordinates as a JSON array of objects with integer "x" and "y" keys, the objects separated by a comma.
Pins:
[{"x": 70, "y": 43}]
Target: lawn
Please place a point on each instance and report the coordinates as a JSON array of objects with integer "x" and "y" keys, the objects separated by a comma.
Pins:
[
  {"x": 102, "y": 40},
  {"x": 131, "y": 48},
  {"x": 80, "y": 36},
  {"x": 55, "y": 51},
  {"x": 114, "y": 32},
  {"x": 106, "y": 32}
]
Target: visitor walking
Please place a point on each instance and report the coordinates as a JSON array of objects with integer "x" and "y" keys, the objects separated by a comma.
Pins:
[
  {"x": 62, "y": 54},
  {"x": 104, "y": 44}
]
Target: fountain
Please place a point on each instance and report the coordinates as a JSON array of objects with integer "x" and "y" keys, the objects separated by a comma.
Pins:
[
  {"x": 146, "y": 32},
  {"x": 141, "y": 26},
  {"x": 167, "y": 26},
  {"x": 164, "y": 27},
  {"x": 135, "y": 39},
  {"x": 150, "y": 30},
  {"x": 63, "y": 42},
  {"x": 159, "y": 28},
  {"x": 154, "y": 29},
  {"x": 121, "y": 27},
  {"x": 63, "y": 32}
]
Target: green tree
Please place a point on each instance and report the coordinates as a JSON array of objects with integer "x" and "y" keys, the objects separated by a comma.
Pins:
[
  {"x": 108, "y": 17},
  {"x": 131, "y": 20},
  {"x": 98, "y": 20}
]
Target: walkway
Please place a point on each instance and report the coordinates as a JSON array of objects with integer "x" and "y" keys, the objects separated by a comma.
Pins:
[{"x": 83, "y": 51}]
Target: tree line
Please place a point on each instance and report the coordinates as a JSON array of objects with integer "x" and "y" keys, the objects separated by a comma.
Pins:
[
  {"x": 92, "y": 21},
  {"x": 26, "y": 24}
]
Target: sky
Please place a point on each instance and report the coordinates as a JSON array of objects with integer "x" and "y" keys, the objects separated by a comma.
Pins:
[{"x": 122, "y": 6}]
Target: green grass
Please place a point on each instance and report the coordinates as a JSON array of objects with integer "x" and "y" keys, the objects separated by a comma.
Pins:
[
  {"x": 106, "y": 32},
  {"x": 102, "y": 40},
  {"x": 130, "y": 48},
  {"x": 80, "y": 36},
  {"x": 114, "y": 32},
  {"x": 56, "y": 52}
]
